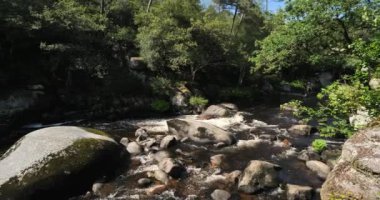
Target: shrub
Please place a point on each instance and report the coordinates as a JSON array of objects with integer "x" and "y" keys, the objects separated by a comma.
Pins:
[
  {"x": 319, "y": 145},
  {"x": 160, "y": 105},
  {"x": 198, "y": 101},
  {"x": 161, "y": 86}
]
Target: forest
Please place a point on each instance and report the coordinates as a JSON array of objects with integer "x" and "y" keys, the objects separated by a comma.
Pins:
[{"x": 82, "y": 62}]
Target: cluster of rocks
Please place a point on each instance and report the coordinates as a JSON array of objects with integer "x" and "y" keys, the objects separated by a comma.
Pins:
[{"x": 49, "y": 161}]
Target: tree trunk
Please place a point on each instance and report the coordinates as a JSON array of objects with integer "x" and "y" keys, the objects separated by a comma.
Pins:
[
  {"x": 242, "y": 74},
  {"x": 102, "y": 6},
  {"x": 234, "y": 18},
  {"x": 149, "y": 4}
]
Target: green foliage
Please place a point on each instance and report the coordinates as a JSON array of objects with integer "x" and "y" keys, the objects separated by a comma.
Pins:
[
  {"x": 319, "y": 145},
  {"x": 161, "y": 86},
  {"x": 160, "y": 105},
  {"x": 198, "y": 101},
  {"x": 237, "y": 93}
]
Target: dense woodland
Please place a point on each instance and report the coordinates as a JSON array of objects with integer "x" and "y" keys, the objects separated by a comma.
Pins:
[{"x": 90, "y": 54}]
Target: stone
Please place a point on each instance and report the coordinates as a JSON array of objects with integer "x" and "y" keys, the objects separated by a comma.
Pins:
[
  {"x": 374, "y": 83},
  {"x": 298, "y": 192},
  {"x": 300, "y": 130},
  {"x": 356, "y": 174},
  {"x": 221, "y": 110},
  {"x": 141, "y": 132},
  {"x": 171, "y": 167},
  {"x": 144, "y": 182},
  {"x": 306, "y": 155},
  {"x": 320, "y": 168},
  {"x": 168, "y": 141},
  {"x": 96, "y": 188},
  {"x": 157, "y": 189},
  {"x": 160, "y": 176},
  {"x": 200, "y": 132},
  {"x": 160, "y": 155},
  {"x": 220, "y": 195},
  {"x": 233, "y": 177},
  {"x": 134, "y": 148},
  {"x": 124, "y": 141},
  {"x": 52, "y": 159},
  {"x": 217, "y": 160},
  {"x": 258, "y": 175}
]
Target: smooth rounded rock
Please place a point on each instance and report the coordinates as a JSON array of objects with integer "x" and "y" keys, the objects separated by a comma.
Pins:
[
  {"x": 63, "y": 159},
  {"x": 168, "y": 141},
  {"x": 134, "y": 148},
  {"x": 220, "y": 195},
  {"x": 320, "y": 168}
]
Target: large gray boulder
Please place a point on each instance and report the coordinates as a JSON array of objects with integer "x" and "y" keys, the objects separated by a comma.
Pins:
[
  {"x": 258, "y": 175},
  {"x": 356, "y": 175},
  {"x": 200, "y": 132},
  {"x": 220, "y": 110},
  {"x": 56, "y": 162}
]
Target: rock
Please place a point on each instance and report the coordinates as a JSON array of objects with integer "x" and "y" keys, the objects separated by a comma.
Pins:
[
  {"x": 306, "y": 155},
  {"x": 124, "y": 141},
  {"x": 160, "y": 155},
  {"x": 134, "y": 148},
  {"x": 171, "y": 167},
  {"x": 192, "y": 197},
  {"x": 242, "y": 144},
  {"x": 258, "y": 175},
  {"x": 330, "y": 157},
  {"x": 216, "y": 161},
  {"x": 66, "y": 160},
  {"x": 96, "y": 188},
  {"x": 157, "y": 189},
  {"x": 300, "y": 130},
  {"x": 160, "y": 176},
  {"x": 374, "y": 83},
  {"x": 298, "y": 192},
  {"x": 356, "y": 175},
  {"x": 143, "y": 182},
  {"x": 141, "y": 132},
  {"x": 233, "y": 177},
  {"x": 168, "y": 141},
  {"x": 320, "y": 168},
  {"x": 220, "y": 195},
  {"x": 221, "y": 110},
  {"x": 200, "y": 132}
]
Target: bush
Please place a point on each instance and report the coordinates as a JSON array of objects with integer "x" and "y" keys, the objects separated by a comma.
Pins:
[
  {"x": 236, "y": 93},
  {"x": 319, "y": 145},
  {"x": 161, "y": 86},
  {"x": 198, "y": 101},
  {"x": 160, "y": 105}
]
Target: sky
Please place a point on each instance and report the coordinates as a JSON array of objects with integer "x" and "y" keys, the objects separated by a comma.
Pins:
[{"x": 273, "y": 5}]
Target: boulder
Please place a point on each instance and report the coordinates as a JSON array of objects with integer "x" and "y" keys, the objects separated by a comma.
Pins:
[
  {"x": 124, "y": 141},
  {"x": 171, "y": 167},
  {"x": 56, "y": 161},
  {"x": 308, "y": 154},
  {"x": 356, "y": 175},
  {"x": 168, "y": 141},
  {"x": 141, "y": 133},
  {"x": 320, "y": 168},
  {"x": 200, "y": 132},
  {"x": 134, "y": 148},
  {"x": 160, "y": 155},
  {"x": 217, "y": 160},
  {"x": 258, "y": 175},
  {"x": 300, "y": 130},
  {"x": 298, "y": 192},
  {"x": 221, "y": 110},
  {"x": 143, "y": 182},
  {"x": 220, "y": 195},
  {"x": 160, "y": 176},
  {"x": 374, "y": 83}
]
